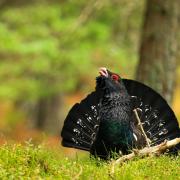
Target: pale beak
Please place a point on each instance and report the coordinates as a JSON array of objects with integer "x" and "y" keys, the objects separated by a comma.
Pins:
[{"x": 103, "y": 72}]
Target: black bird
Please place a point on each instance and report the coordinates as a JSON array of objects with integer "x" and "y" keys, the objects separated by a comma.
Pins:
[{"x": 106, "y": 121}]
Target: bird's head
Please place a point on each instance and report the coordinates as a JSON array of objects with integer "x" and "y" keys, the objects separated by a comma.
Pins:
[{"x": 109, "y": 81}]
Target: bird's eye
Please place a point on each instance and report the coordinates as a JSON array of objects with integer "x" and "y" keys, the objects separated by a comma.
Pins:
[{"x": 115, "y": 77}]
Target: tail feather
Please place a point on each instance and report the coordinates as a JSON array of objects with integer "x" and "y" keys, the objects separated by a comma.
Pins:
[
  {"x": 82, "y": 123},
  {"x": 77, "y": 116},
  {"x": 158, "y": 119}
]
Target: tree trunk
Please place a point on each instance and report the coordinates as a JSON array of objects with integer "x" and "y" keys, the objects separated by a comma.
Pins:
[
  {"x": 48, "y": 114},
  {"x": 158, "y": 50},
  {"x": 45, "y": 114}
]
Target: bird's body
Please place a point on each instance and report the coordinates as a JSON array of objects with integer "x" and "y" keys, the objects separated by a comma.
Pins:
[
  {"x": 104, "y": 122},
  {"x": 116, "y": 122}
]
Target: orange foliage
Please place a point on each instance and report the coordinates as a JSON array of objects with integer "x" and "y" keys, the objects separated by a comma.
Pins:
[
  {"x": 176, "y": 102},
  {"x": 5, "y": 108}
]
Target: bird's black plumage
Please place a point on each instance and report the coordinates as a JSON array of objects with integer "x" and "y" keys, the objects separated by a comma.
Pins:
[{"x": 104, "y": 122}]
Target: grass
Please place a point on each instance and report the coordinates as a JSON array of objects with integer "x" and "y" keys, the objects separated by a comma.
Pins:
[{"x": 37, "y": 162}]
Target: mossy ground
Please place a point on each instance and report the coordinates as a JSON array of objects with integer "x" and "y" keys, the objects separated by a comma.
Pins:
[{"x": 37, "y": 162}]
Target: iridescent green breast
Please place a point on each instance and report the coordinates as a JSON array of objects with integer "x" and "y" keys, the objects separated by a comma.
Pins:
[{"x": 116, "y": 133}]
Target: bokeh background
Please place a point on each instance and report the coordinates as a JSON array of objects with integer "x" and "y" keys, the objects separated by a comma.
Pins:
[{"x": 50, "y": 52}]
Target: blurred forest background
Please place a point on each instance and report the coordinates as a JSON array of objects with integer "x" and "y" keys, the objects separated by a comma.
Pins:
[{"x": 50, "y": 52}]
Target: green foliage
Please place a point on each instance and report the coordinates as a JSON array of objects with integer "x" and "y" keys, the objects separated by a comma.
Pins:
[
  {"x": 36, "y": 162},
  {"x": 45, "y": 49}
]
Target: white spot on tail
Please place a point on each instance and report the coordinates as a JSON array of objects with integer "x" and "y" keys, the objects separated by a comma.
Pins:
[{"x": 135, "y": 137}]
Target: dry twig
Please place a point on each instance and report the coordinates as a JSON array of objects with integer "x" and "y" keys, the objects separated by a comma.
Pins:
[
  {"x": 77, "y": 175},
  {"x": 141, "y": 127},
  {"x": 147, "y": 151}
]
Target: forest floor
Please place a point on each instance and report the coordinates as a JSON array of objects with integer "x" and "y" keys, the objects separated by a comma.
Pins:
[{"x": 38, "y": 162}]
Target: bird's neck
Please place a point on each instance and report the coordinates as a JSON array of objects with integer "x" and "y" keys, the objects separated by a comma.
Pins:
[{"x": 116, "y": 105}]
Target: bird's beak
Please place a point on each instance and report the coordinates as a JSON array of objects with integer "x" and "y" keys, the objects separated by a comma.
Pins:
[{"x": 103, "y": 72}]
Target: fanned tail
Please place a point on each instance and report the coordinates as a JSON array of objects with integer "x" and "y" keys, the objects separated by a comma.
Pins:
[
  {"x": 82, "y": 123},
  {"x": 158, "y": 119}
]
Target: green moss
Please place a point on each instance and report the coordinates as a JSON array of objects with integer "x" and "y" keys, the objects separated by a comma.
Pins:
[{"x": 36, "y": 162}]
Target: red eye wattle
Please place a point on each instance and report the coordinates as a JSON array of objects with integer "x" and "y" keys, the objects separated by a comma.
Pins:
[{"x": 115, "y": 77}]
